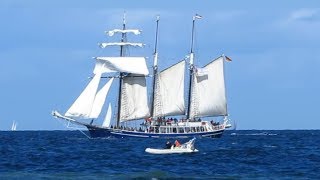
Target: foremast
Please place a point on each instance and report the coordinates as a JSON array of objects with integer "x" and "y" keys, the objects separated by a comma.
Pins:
[
  {"x": 132, "y": 94},
  {"x": 122, "y": 52}
]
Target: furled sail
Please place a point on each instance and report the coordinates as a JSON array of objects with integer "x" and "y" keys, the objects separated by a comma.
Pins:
[
  {"x": 134, "y": 31},
  {"x": 107, "y": 119},
  {"x": 100, "y": 99},
  {"x": 136, "y": 65},
  {"x": 83, "y": 105},
  {"x": 104, "y": 45},
  {"x": 169, "y": 91},
  {"x": 134, "y": 100},
  {"x": 208, "y": 97}
]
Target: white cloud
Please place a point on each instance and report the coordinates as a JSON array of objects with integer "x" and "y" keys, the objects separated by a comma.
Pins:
[
  {"x": 303, "y": 15},
  {"x": 297, "y": 27}
]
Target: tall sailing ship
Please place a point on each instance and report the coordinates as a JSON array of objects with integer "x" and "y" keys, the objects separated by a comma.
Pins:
[{"x": 174, "y": 109}]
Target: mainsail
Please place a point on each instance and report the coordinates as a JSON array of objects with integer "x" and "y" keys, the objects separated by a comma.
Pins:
[
  {"x": 169, "y": 91},
  {"x": 208, "y": 97}
]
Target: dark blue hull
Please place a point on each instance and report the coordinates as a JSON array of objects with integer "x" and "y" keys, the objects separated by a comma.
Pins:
[{"x": 98, "y": 132}]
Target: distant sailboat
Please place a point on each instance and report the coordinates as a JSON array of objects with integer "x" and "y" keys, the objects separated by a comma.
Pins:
[
  {"x": 234, "y": 125},
  {"x": 230, "y": 124},
  {"x": 14, "y": 126}
]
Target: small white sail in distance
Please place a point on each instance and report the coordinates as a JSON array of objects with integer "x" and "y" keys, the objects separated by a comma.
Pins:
[
  {"x": 107, "y": 119},
  {"x": 14, "y": 126}
]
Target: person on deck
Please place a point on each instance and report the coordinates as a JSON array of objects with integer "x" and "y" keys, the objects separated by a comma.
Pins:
[
  {"x": 168, "y": 145},
  {"x": 177, "y": 143}
]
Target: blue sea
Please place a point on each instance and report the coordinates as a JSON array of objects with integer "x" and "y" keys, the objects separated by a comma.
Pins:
[{"x": 249, "y": 154}]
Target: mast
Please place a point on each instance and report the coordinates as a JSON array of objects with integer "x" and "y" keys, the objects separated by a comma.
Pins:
[
  {"x": 155, "y": 68},
  {"x": 191, "y": 67},
  {"x": 123, "y": 39}
]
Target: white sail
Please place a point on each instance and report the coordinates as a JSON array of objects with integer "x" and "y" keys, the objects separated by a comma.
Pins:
[
  {"x": 134, "y": 100},
  {"x": 100, "y": 99},
  {"x": 104, "y": 45},
  {"x": 107, "y": 119},
  {"x": 134, "y": 31},
  {"x": 169, "y": 91},
  {"x": 208, "y": 97},
  {"x": 83, "y": 105},
  {"x": 14, "y": 126},
  {"x": 136, "y": 65}
]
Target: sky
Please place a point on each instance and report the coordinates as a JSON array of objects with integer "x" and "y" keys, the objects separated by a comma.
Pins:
[{"x": 46, "y": 50}]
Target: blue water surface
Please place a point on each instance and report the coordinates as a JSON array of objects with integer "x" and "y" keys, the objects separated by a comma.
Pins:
[{"x": 250, "y": 154}]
